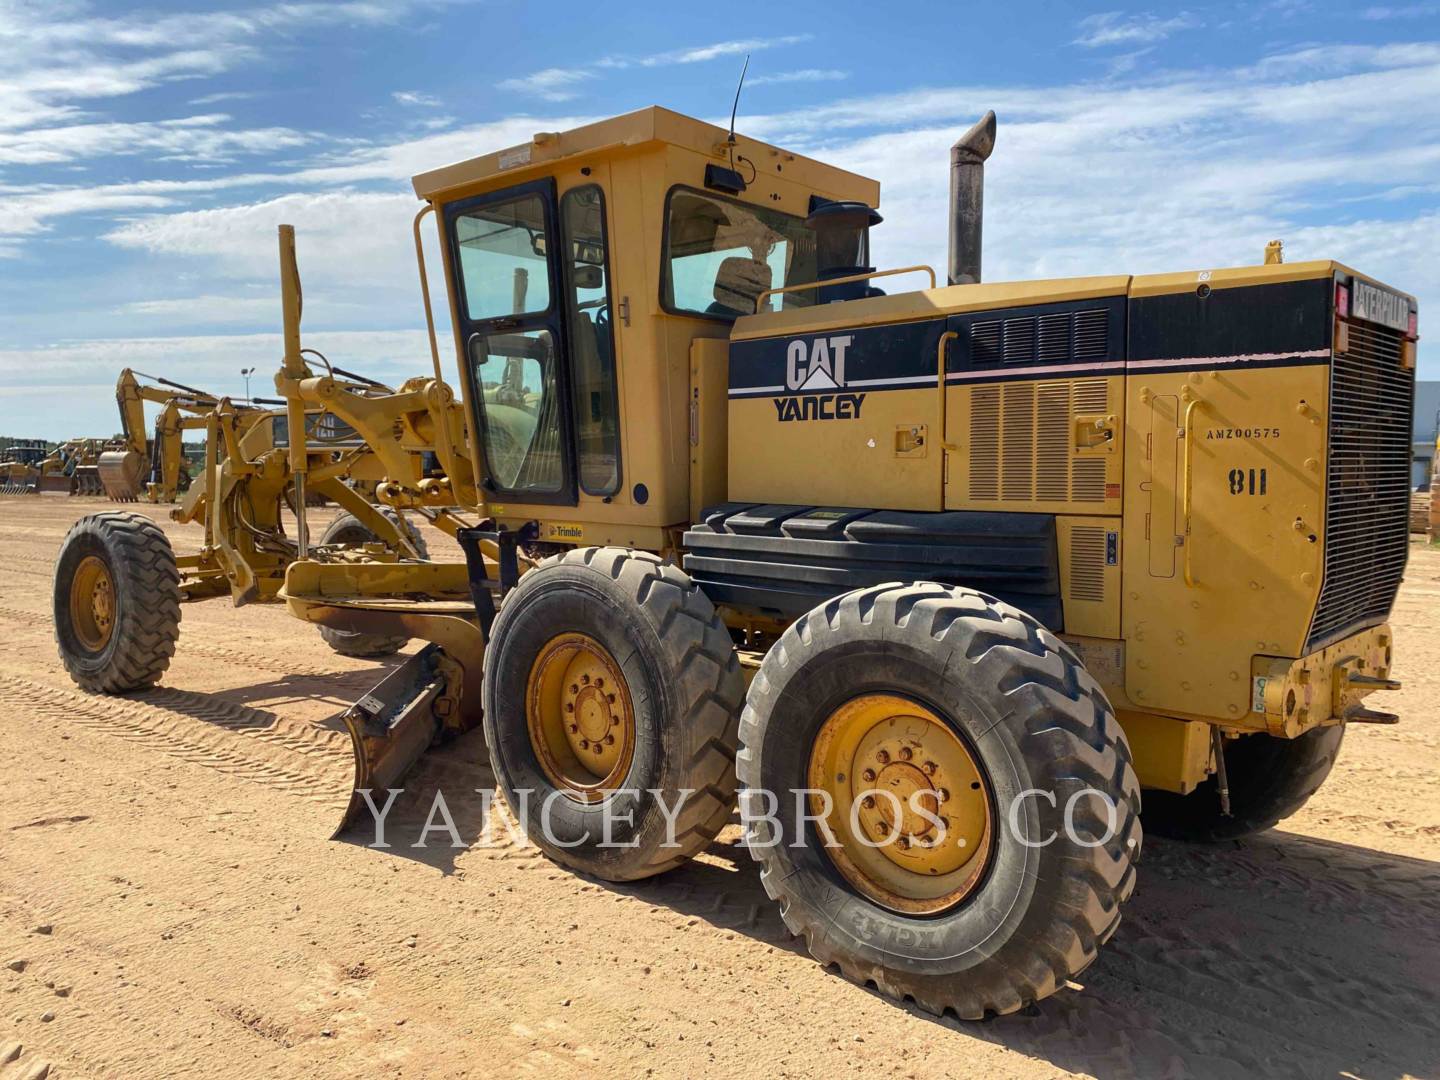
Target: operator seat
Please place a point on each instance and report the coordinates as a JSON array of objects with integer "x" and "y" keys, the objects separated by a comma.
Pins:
[{"x": 738, "y": 285}]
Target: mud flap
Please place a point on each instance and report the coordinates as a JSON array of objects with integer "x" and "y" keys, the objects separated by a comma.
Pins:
[{"x": 392, "y": 726}]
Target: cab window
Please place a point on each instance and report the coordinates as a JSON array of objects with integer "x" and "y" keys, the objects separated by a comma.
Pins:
[
  {"x": 502, "y": 258},
  {"x": 720, "y": 255},
  {"x": 592, "y": 340}
]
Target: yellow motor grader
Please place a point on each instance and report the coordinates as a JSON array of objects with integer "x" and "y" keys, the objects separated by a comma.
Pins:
[{"x": 940, "y": 578}]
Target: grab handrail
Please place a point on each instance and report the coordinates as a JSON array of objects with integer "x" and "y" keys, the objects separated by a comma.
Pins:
[{"x": 845, "y": 281}]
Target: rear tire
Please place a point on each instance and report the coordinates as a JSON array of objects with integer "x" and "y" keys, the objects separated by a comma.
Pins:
[
  {"x": 1029, "y": 716},
  {"x": 121, "y": 634},
  {"x": 348, "y": 531},
  {"x": 681, "y": 691},
  {"x": 1269, "y": 780}
]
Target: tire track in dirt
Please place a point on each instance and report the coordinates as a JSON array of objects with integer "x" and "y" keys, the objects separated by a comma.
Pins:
[
  {"x": 251, "y": 661},
  {"x": 240, "y": 658},
  {"x": 1303, "y": 875},
  {"x": 208, "y": 732}
]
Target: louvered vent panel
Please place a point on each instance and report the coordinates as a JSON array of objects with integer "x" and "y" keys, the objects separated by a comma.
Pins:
[
  {"x": 1054, "y": 339},
  {"x": 1052, "y": 442},
  {"x": 1091, "y": 335},
  {"x": 1088, "y": 481},
  {"x": 1017, "y": 443},
  {"x": 1087, "y": 563},
  {"x": 1020, "y": 341},
  {"x": 1022, "y": 442},
  {"x": 1092, "y": 396},
  {"x": 1058, "y": 338},
  {"x": 985, "y": 343},
  {"x": 985, "y": 443}
]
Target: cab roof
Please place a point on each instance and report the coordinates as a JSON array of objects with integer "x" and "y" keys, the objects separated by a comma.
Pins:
[{"x": 651, "y": 126}]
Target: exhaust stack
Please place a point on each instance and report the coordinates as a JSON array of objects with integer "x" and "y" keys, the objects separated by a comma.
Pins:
[{"x": 967, "y": 199}]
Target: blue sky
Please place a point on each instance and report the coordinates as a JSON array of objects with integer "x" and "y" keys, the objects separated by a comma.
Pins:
[{"x": 146, "y": 153}]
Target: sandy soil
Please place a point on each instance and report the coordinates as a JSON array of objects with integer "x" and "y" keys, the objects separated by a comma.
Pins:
[{"x": 170, "y": 905}]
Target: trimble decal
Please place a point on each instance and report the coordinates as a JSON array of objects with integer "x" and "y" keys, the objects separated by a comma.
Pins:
[{"x": 817, "y": 364}]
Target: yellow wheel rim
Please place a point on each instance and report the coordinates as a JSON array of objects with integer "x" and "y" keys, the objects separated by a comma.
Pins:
[
  {"x": 879, "y": 765},
  {"x": 92, "y": 603},
  {"x": 580, "y": 717}
]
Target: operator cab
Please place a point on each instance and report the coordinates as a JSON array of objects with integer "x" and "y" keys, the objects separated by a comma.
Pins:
[{"x": 583, "y": 266}]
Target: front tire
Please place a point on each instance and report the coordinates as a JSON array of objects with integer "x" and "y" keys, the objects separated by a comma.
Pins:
[
  {"x": 116, "y": 602},
  {"x": 960, "y": 670},
  {"x": 608, "y": 677},
  {"x": 1269, "y": 779},
  {"x": 348, "y": 531}
]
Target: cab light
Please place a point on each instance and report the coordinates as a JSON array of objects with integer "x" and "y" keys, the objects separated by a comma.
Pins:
[{"x": 1342, "y": 300}]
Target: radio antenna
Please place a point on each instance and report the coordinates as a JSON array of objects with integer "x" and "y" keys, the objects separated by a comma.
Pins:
[{"x": 735, "y": 108}]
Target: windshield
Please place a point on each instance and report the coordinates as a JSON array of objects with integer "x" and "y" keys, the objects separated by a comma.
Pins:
[{"x": 721, "y": 255}]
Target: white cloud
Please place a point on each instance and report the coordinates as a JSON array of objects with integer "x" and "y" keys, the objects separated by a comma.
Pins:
[
  {"x": 193, "y": 138},
  {"x": 415, "y": 97},
  {"x": 1118, "y": 28},
  {"x": 223, "y": 96},
  {"x": 700, "y": 53},
  {"x": 344, "y": 238},
  {"x": 1404, "y": 11},
  {"x": 57, "y": 54},
  {"x": 802, "y": 75},
  {"x": 206, "y": 309},
  {"x": 549, "y": 84}
]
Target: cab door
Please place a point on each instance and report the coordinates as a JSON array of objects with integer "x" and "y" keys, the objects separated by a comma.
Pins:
[{"x": 516, "y": 366}]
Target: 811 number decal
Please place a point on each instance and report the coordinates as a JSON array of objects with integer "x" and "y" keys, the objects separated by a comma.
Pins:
[{"x": 1247, "y": 481}]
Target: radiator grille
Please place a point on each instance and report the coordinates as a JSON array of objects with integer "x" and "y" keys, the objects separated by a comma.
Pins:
[
  {"x": 1022, "y": 442},
  {"x": 1367, "y": 488}
]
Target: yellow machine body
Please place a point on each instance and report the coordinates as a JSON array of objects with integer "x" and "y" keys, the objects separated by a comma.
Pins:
[{"x": 1183, "y": 451}]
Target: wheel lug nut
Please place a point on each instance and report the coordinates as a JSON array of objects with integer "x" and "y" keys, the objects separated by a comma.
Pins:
[
  {"x": 597, "y": 747},
  {"x": 599, "y": 682},
  {"x": 883, "y": 757},
  {"x": 942, "y": 794},
  {"x": 574, "y": 728},
  {"x": 615, "y": 721},
  {"x": 569, "y": 706},
  {"x": 609, "y": 740},
  {"x": 584, "y": 744},
  {"x": 610, "y": 698},
  {"x": 906, "y": 753},
  {"x": 930, "y": 768},
  {"x": 904, "y": 841},
  {"x": 574, "y": 688},
  {"x": 868, "y": 775},
  {"x": 868, "y": 802},
  {"x": 585, "y": 679}
]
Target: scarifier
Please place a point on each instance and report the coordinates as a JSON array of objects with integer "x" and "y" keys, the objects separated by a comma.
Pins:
[{"x": 992, "y": 556}]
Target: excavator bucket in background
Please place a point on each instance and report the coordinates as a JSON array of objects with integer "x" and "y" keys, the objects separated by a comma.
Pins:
[{"x": 121, "y": 473}]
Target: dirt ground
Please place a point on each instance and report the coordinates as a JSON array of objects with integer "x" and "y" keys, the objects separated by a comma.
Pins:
[{"x": 170, "y": 904}]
